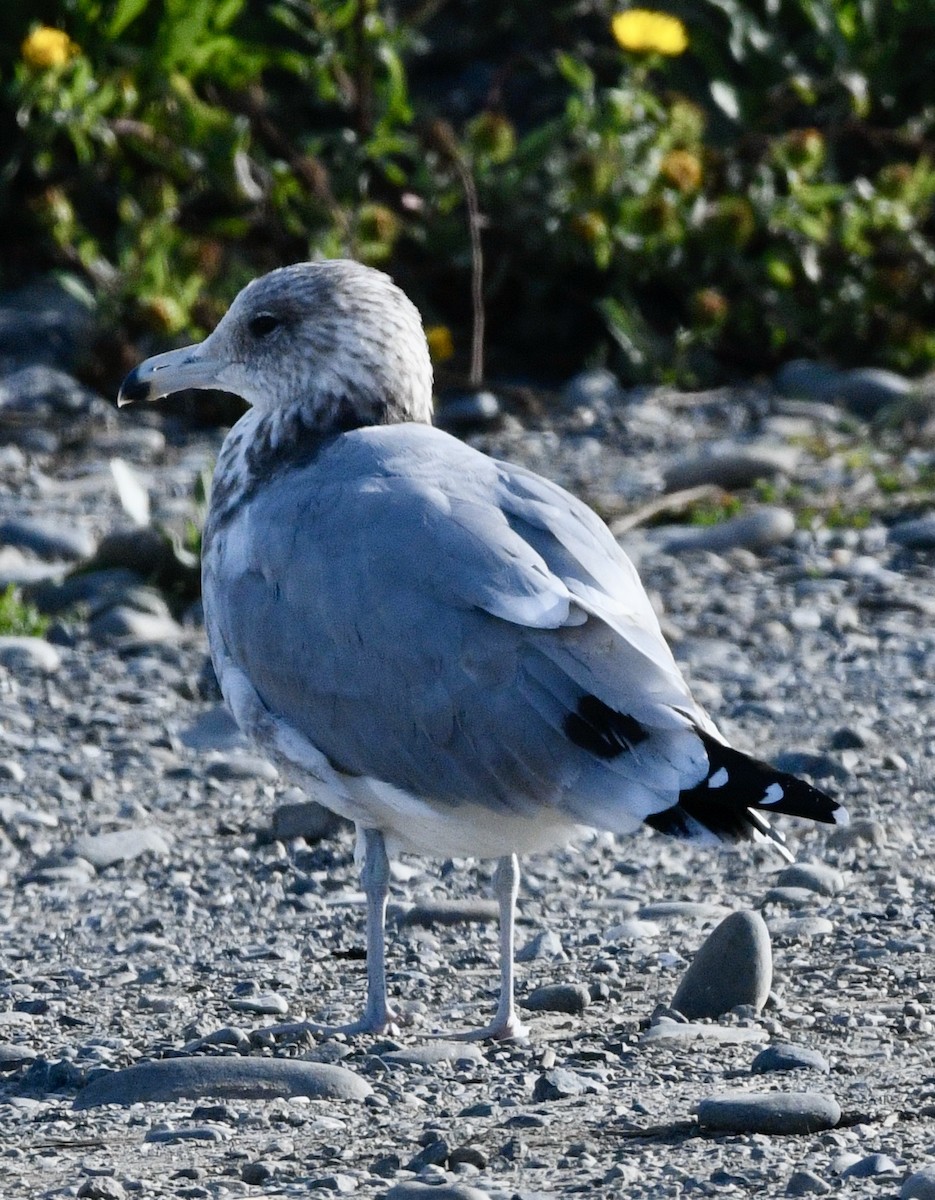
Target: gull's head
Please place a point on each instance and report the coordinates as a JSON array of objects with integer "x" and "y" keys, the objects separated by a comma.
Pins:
[{"x": 334, "y": 337}]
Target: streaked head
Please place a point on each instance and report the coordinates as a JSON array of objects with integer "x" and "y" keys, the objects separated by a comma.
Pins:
[{"x": 335, "y": 337}]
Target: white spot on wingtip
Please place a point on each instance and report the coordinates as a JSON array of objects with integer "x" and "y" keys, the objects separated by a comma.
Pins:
[
  {"x": 774, "y": 793},
  {"x": 719, "y": 778}
]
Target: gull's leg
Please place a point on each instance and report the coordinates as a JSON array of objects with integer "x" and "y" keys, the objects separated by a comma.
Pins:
[
  {"x": 375, "y": 877},
  {"x": 378, "y": 1017},
  {"x": 506, "y": 1024}
]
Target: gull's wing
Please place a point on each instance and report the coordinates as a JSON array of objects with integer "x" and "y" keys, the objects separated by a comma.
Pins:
[{"x": 455, "y": 626}]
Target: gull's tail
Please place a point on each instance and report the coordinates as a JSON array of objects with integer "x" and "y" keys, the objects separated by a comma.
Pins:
[{"x": 727, "y": 803}]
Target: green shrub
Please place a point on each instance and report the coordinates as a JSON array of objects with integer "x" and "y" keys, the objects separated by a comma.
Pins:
[
  {"x": 19, "y": 618},
  {"x": 691, "y": 200}
]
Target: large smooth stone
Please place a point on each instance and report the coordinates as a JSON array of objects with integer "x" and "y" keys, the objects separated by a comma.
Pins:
[
  {"x": 769, "y": 1112},
  {"x": 734, "y": 966}
]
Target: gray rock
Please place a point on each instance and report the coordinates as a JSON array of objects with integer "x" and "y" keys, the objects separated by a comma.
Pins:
[
  {"x": 545, "y": 945},
  {"x": 790, "y": 897},
  {"x": 339, "y": 1182},
  {"x": 123, "y": 625},
  {"x": 807, "y": 762},
  {"x": 43, "y": 393},
  {"x": 560, "y": 1083},
  {"x": 917, "y": 534},
  {"x": 920, "y": 1185},
  {"x": 861, "y": 832},
  {"x": 866, "y": 391},
  {"x": 13, "y": 1057},
  {"x": 146, "y": 552},
  {"x": 28, "y": 655},
  {"x": 870, "y": 1165},
  {"x": 805, "y": 379},
  {"x": 558, "y": 997},
  {"x": 806, "y": 1183},
  {"x": 215, "y": 729},
  {"x": 411, "y": 1190},
  {"x": 188, "y": 1133},
  {"x": 49, "y": 320},
  {"x": 264, "y": 1003},
  {"x": 234, "y": 768},
  {"x": 682, "y": 910},
  {"x": 120, "y": 845},
  {"x": 799, "y": 929},
  {"x": 467, "y": 410},
  {"x": 589, "y": 388},
  {"x": 450, "y": 912},
  {"x": 305, "y": 819},
  {"x": 732, "y": 466},
  {"x": 769, "y": 1112},
  {"x": 226, "y": 1077},
  {"x": 96, "y": 589},
  {"x": 102, "y": 1187},
  {"x": 430, "y": 1053},
  {"x": 817, "y": 877},
  {"x": 758, "y": 530},
  {"x": 47, "y": 538},
  {"x": 783, "y": 1057},
  {"x": 690, "y": 1031},
  {"x": 734, "y": 966}
]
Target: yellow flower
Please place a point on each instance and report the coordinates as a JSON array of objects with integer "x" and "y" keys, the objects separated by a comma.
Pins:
[
  {"x": 47, "y": 47},
  {"x": 441, "y": 343},
  {"x": 682, "y": 169},
  {"x": 644, "y": 31}
]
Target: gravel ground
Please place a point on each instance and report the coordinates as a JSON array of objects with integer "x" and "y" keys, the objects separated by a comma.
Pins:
[{"x": 148, "y": 908}]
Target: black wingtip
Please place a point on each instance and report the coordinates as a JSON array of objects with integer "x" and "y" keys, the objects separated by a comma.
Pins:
[
  {"x": 737, "y": 789},
  {"x": 132, "y": 389}
]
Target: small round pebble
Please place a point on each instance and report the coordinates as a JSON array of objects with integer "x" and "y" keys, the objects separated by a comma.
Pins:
[
  {"x": 817, "y": 877},
  {"x": 769, "y": 1112},
  {"x": 806, "y": 1183}
]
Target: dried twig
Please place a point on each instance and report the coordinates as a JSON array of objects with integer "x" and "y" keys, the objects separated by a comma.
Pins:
[{"x": 670, "y": 504}]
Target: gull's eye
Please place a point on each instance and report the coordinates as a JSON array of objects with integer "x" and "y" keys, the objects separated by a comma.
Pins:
[{"x": 263, "y": 324}]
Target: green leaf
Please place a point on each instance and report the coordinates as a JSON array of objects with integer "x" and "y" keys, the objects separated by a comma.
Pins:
[{"x": 125, "y": 14}]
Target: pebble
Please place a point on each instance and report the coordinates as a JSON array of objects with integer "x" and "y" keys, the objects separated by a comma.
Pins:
[
  {"x": 817, "y": 877},
  {"x": 450, "y": 912},
  {"x": 431, "y": 1053},
  {"x": 95, "y": 589},
  {"x": 558, "y": 997},
  {"x": 468, "y": 410},
  {"x": 234, "y": 768},
  {"x": 12, "y": 1057},
  {"x": 799, "y": 929},
  {"x": 264, "y": 1003},
  {"x": 790, "y": 897},
  {"x": 227, "y": 1077},
  {"x": 188, "y": 1133},
  {"x": 733, "y": 966},
  {"x": 870, "y": 1165},
  {"x": 682, "y": 910},
  {"x": 411, "y": 1190},
  {"x": 559, "y": 1084},
  {"x": 806, "y": 1183},
  {"x": 864, "y": 391},
  {"x": 47, "y": 538},
  {"x": 131, "y": 492},
  {"x": 214, "y": 729},
  {"x": 861, "y": 832},
  {"x": 102, "y": 1187},
  {"x": 761, "y": 529},
  {"x": 28, "y": 654},
  {"x": 732, "y": 466},
  {"x": 102, "y": 850},
  {"x": 769, "y": 1112},
  {"x": 917, "y": 534},
  {"x": 920, "y": 1185},
  {"x": 595, "y": 388},
  {"x": 304, "y": 819},
  {"x": 125, "y": 625},
  {"x": 690, "y": 1031},
  {"x": 806, "y": 762},
  {"x": 545, "y": 945},
  {"x": 784, "y": 1057}
]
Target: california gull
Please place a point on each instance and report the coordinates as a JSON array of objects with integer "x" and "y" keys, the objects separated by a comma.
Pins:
[{"x": 447, "y": 649}]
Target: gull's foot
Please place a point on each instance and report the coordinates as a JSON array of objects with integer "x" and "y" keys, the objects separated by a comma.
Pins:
[
  {"x": 500, "y": 1029},
  {"x": 388, "y": 1022}
]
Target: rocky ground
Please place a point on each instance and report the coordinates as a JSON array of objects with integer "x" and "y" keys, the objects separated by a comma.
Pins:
[{"x": 155, "y": 901}]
